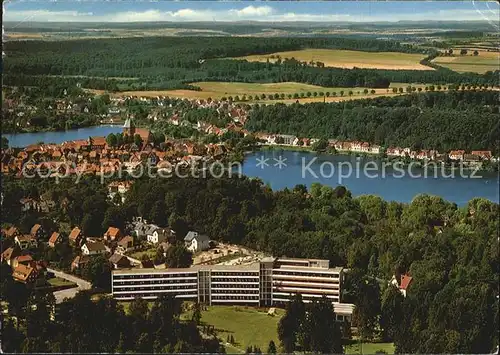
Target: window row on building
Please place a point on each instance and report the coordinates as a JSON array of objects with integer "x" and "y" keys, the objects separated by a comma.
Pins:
[
  {"x": 168, "y": 275},
  {"x": 270, "y": 282}
]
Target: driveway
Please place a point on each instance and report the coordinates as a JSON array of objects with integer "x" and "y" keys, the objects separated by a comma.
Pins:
[{"x": 70, "y": 292}]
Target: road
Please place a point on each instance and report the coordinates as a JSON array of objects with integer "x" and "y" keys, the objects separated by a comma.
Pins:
[{"x": 70, "y": 292}]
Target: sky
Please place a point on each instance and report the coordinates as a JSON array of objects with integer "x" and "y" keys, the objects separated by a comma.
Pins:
[{"x": 272, "y": 11}]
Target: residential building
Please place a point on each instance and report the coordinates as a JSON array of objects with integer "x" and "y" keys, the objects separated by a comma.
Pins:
[
  {"x": 157, "y": 235},
  {"x": 119, "y": 261},
  {"x": 270, "y": 282},
  {"x": 125, "y": 244},
  {"x": 79, "y": 262},
  {"x": 120, "y": 187},
  {"x": 54, "y": 239},
  {"x": 403, "y": 284},
  {"x": 285, "y": 139},
  {"x": 97, "y": 142},
  {"x": 375, "y": 149},
  {"x": 483, "y": 154},
  {"x": 25, "y": 241},
  {"x": 456, "y": 154},
  {"x": 25, "y": 274},
  {"x": 112, "y": 234},
  {"x": 10, "y": 232},
  {"x": 195, "y": 242},
  {"x": 76, "y": 236},
  {"x": 9, "y": 254},
  {"x": 147, "y": 264},
  {"x": 25, "y": 259},
  {"x": 93, "y": 248}
]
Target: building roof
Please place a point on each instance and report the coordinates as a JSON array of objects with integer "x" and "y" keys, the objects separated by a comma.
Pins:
[
  {"x": 35, "y": 229},
  {"x": 112, "y": 232},
  {"x": 116, "y": 258},
  {"x": 7, "y": 254},
  {"x": 193, "y": 269},
  {"x": 23, "y": 258},
  {"x": 405, "y": 282},
  {"x": 125, "y": 240},
  {"x": 75, "y": 233},
  {"x": 81, "y": 259},
  {"x": 194, "y": 235},
  {"x": 144, "y": 133},
  {"x": 25, "y": 238},
  {"x": 53, "y": 238},
  {"x": 150, "y": 228},
  {"x": 98, "y": 140},
  {"x": 147, "y": 264},
  {"x": 95, "y": 246},
  {"x": 11, "y": 232},
  {"x": 22, "y": 272}
]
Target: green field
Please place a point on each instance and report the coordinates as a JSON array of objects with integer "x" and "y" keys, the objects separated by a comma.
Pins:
[
  {"x": 248, "y": 325},
  {"x": 348, "y": 59},
  {"x": 369, "y": 348},
  {"x": 218, "y": 90},
  {"x": 481, "y": 63},
  {"x": 151, "y": 252},
  {"x": 252, "y": 326}
]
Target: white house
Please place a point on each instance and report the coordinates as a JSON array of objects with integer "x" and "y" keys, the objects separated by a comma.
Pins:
[
  {"x": 195, "y": 242},
  {"x": 158, "y": 235},
  {"x": 93, "y": 248},
  {"x": 286, "y": 139},
  {"x": 375, "y": 149}
]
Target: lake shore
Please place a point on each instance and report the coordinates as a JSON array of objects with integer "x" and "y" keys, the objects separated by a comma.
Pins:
[
  {"x": 362, "y": 175},
  {"x": 493, "y": 167}
]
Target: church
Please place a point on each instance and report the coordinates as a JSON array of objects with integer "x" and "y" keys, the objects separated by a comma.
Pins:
[{"x": 131, "y": 130}]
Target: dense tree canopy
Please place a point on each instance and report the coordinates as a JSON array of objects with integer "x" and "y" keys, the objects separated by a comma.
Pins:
[
  {"x": 173, "y": 62},
  {"x": 442, "y": 121},
  {"x": 451, "y": 252}
]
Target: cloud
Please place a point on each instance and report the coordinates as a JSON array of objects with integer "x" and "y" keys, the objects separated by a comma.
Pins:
[{"x": 253, "y": 13}]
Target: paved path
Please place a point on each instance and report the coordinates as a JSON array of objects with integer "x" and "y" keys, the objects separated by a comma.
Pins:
[{"x": 70, "y": 292}]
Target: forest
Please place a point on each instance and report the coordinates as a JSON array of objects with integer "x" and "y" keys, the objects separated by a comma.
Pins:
[
  {"x": 170, "y": 63},
  {"x": 433, "y": 120},
  {"x": 452, "y": 253},
  {"x": 86, "y": 326}
]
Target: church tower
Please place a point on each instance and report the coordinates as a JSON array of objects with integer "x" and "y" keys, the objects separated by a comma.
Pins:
[{"x": 129, "y": 128}]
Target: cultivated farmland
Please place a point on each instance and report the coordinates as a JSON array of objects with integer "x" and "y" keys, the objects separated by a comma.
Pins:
[
  {"x": 348, "y": 59},
  {"x": 218, "y": 90},
  {"x": 483, "y": 62}
]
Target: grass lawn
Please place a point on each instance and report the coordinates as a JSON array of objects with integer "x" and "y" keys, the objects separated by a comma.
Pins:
[
  {"x": 349, "y": 59},
  {"x": 481, "y": 63},
  {"x": 56, "y": 281},
  {"x": 248, "y": 325},
  {"x": 369, "y": 348},
  {"x": 151, "y": 252}
]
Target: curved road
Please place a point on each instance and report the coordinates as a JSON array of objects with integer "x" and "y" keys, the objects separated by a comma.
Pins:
[{"x": 70, "y": 292}]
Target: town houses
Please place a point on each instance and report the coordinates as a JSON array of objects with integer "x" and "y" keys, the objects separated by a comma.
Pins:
[{"x": 94, "y": 156}]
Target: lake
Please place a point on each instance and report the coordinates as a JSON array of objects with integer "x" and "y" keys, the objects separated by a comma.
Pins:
[
  {"x": 25, "y": 139},
  {"x": 333, "y": 170},
  {"x": 395, "y": 184}
]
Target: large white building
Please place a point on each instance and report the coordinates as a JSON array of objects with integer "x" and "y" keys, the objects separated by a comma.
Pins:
[{"x": 270, "y": 282}]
